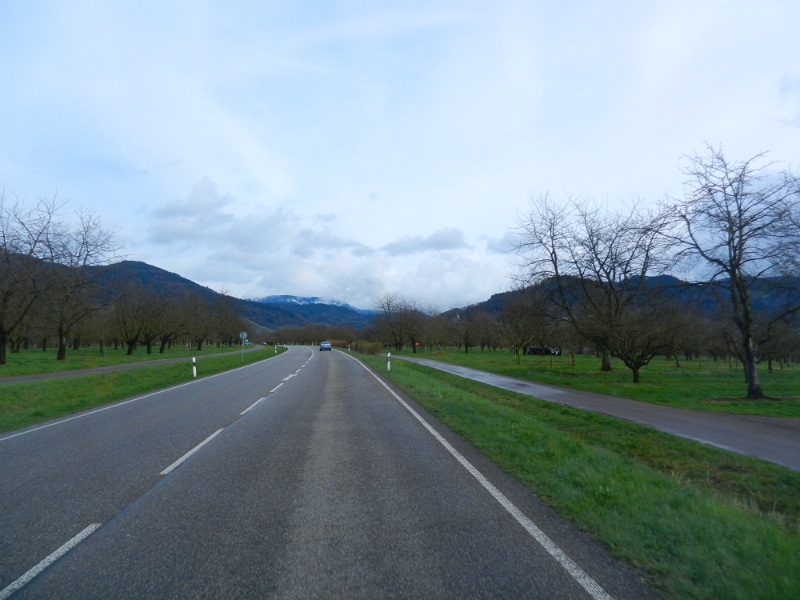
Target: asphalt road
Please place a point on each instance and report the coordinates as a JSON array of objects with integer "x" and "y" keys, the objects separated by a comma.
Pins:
[
  {"x": 332, "y": 486},
  {"x": 774, "y": 439}
]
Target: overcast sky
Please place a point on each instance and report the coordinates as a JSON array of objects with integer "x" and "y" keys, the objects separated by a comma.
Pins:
[{"x": 340, "y": 149}]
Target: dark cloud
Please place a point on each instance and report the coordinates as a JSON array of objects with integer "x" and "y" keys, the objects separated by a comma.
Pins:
[
  {"x": 444, "y": 239},
  {"x": 502, "y": 245}
]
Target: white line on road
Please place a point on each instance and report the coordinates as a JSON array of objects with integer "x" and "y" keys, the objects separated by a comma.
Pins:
[
  {"x": 118, "y": 404},
  {"x": 289, "y": 377},
  {"x": 589, "y": 584},
  {"x": 252, "y": 406},
  {"x": 183, "y": 458},
  {"x": 27, "y": 577},
  {"x": 275, "y": 388}
]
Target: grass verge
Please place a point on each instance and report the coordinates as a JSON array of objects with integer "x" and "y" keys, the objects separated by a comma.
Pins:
[
  {"x": 697, "y": 521},
  {"x": 30, "y": 402},
  {"x": 696, "y": 384},
  {"x": 29, "y": 362}
]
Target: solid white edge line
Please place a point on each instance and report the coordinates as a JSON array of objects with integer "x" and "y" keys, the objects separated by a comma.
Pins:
[
  {"x": 252, "y": 406},
  {"x": 275, "y": 388},
  {"x": 117, "y": 404},
  {"x": 586, "y": 582},
  {"x": 183, "y": 458},
  {"x": 27, "y": 577}
]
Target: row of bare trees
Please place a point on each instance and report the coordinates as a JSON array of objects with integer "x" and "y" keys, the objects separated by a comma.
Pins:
[
  {"x": 145, "y": 315},
  {"x": 52, "y": 287},
  {"x": 736, "y": 234},
  {"x": 48, "y": 266}
]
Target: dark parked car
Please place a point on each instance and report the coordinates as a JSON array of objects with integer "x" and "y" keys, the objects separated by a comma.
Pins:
[
  {"x": 325, "y": 346},
  {"x": 542, "y": 351}
]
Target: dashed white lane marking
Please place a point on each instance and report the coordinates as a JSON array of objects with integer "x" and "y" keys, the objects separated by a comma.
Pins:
[
  {"x": 252, "y": 406},
  {"x": 118, "y": 404},
  {"x": 589, "y": 584},
  {"x": 27, "y": 577},
  {"x": 288, "y": 377},
  {"x": 183, "y": 458},
  {"x": 275, "y": 388}
]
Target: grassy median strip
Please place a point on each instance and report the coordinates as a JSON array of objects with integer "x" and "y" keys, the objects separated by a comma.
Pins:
[
  {"x": 30, "y": 402},
  {"x": 697, "y": 521},
  {"x": 696, "y": 384}
]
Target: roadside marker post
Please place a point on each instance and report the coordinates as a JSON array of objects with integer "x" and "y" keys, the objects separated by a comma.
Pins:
[
  {"x": 389, "y": 361},
  {"x": 194, "y": 367},
  {"x": 243, "y": 337}
]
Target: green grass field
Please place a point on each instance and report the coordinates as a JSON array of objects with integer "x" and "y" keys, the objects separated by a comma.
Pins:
[
  {"x": 696, "y": 521},
  {"x": 28, "y": 362},
  {"x": 29, "y": 402},
  {"x": 703, "y": 385}
]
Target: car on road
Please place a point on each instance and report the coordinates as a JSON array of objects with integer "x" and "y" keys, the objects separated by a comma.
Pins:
[{"x": 325, "y": 346}]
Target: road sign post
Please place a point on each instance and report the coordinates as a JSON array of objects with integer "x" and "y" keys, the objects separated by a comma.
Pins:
[
  {"x": 389, "y": 361},
  {"x": 243, "y": 337}
]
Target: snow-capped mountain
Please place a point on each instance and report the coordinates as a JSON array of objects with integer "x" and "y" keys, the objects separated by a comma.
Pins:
[{"x": 306, "y": 301}]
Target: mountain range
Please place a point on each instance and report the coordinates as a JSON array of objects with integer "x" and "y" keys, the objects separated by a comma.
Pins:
[{"x": 266, "y": 312}]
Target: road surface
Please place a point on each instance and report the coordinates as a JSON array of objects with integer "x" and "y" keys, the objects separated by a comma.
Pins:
[
  {"x": 300, "y": 476},
  {"x": 775, "y": 439}
]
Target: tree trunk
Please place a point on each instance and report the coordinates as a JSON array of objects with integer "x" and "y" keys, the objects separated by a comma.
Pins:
[
  {"x": 635, "y": 375},
  {"x": 606, "y": 364},
  {"x": 163, "y": 345},
  {"x": 149, "y": 345},
  {"x": 754, "y": 391},
  {"x": 677, "y": 361},
  {"x": 3, "y": 342},
  {"x": 62, "y": 347},
  {"x": 131, "y": 347},
  {"x": 76, "y": 343}
]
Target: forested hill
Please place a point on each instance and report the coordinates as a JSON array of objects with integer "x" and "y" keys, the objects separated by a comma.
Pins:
[
  {"x": 768, "y": 295},
  {"x": 271, "y": 316}
]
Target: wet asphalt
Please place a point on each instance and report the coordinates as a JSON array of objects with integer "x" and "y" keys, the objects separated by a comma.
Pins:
[{"x": 329, "y": 487}]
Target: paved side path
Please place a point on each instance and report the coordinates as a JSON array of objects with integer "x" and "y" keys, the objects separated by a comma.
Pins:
[
  {"x": 109, "y": 368},
  {"x": 773, "y": 439}
]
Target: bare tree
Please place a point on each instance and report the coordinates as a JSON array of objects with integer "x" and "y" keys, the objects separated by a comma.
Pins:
[
  {"x": 595, "y": 264},
  {"x": 24, "y": 238},
  {"x": 76, "y": 256},
  {"x": 740, "y": 221},
  {"x": 518, "y": 321},
  {"x": 400, "y": 319}
]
